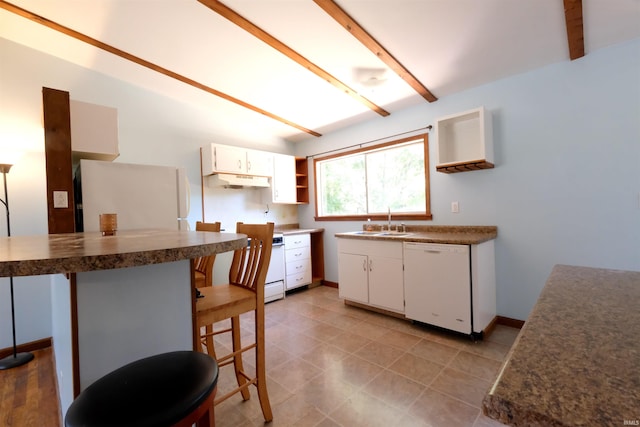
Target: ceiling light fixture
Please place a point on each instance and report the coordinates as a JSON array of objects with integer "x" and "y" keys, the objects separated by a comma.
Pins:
[{"x": 370, "y": 77}]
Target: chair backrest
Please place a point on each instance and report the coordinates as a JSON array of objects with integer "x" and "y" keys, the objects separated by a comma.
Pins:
[
  {"x": 250, "y": 264},
  {"x": 204, "y": 265},
  {"x": 207, "y": 226}
]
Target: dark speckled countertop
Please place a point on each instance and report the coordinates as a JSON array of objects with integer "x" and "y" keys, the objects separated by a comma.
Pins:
[
  {"x": 77, "y": 252},
  {"x": 449, "y": 234},
  {"x": 576, "y": 361}
]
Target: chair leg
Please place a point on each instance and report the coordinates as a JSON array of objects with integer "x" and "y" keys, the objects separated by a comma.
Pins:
[
  {"x": 237, "y": 359},
  {"x": 211, "y": 351},
  {"x": 261, "y": 370}
]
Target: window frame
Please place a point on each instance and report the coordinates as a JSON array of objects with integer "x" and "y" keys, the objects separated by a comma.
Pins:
[{"x": 377, "y": 217}]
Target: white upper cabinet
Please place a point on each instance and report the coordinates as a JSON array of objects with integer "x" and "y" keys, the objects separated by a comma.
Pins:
[
  {"x": 283, "y": 185},
  {"x": 229, "y": 159},
  {"x": 94, "y": 131},
  {"x": 464, "y": 141},
  {"x": 259, "y": 163},
  {"x": 217, "y": 158}
]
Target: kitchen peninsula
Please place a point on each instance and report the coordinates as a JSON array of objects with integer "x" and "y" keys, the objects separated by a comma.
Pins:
[
  {"x": 117, "y": 298},
  {"x": 576, "y": 362}
]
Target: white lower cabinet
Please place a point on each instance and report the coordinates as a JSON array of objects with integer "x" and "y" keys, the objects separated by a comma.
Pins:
[
  {"x": 445, "y": 285},
  {"x": 297, "y": 253},
  {"x": 370, "y": 272}
]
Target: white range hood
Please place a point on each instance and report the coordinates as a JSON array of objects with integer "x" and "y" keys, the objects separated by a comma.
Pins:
[{"x": 237, "y": 181}]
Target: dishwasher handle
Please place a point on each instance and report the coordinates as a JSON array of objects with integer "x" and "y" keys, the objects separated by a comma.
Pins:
[{"x": 435, "y": 248}]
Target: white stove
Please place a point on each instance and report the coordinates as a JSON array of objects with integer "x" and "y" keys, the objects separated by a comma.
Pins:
[{"x": 274, "y": 283}]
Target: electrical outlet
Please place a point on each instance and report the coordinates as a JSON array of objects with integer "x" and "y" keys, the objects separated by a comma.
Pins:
[
  {"x": 60, "y": 199},
  {"x": 455, "y": 208}
]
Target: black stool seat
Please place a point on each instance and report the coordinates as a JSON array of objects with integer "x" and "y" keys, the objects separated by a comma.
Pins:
[{"x": 156, "y": 391}]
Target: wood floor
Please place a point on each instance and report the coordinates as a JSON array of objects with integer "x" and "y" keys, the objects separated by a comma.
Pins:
[{"x": 28, "y": 395}]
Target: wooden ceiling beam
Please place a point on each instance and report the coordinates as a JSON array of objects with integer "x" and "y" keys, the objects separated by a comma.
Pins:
[
  {"x": 575, "y": 31},
  {"x": 337, "y": 13},
  {"x": 267, "y": 38},
  {"x": 144, "y": 63}
]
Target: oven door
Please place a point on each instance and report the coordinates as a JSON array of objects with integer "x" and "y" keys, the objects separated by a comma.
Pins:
[
  {"x": 274, "y": 283},
  {"x": 276, "y": 264}
]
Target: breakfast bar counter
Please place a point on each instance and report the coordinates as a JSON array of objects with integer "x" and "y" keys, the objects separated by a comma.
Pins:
[
  {"x": 115, "y": 299},
  {"x": 576, "y": 361},
  {"x": 78, "y": 252}
]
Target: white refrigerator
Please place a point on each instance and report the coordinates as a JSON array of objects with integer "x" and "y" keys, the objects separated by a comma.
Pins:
[{"x": 143, "y": 196}]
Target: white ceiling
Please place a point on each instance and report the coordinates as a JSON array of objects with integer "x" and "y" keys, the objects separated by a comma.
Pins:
[{"x": 448, "y": 45}]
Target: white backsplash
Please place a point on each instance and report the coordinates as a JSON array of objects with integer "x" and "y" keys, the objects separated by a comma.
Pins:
[{"x": 250, "y": 205}]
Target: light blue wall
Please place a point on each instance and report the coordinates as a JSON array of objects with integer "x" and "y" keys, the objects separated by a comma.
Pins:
[{"x": 566, "y": 186}]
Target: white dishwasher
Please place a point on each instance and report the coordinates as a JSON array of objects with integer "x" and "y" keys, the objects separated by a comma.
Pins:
[{"x": 437, "y": 285}]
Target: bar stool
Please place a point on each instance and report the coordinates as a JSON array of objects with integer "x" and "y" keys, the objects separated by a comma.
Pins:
[
  {"x": 169, "y": 389},
  {"x": 204, "y": 277},
  {"x": 243, "y": 293},
  {"x": 204, "y": 264}
]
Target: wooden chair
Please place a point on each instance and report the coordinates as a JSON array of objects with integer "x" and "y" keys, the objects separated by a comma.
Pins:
[
  {"x": 243, "y": 293},
  {"x": 169, "y": 389},
  {"x": 204, "y": 277},
  {"x": 204, "y": 265}
]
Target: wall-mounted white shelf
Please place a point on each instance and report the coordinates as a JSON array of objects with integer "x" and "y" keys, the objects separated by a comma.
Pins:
[{"x": 464, "y": 141}]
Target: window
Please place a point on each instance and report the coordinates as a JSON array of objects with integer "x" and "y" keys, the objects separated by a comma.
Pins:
[{"x": 367, "y": 183}]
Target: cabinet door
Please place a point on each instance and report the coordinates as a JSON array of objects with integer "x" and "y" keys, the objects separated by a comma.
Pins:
[
  {"x": 230, "y": 159},
  {"x": 259, "y": 163},
  {"x": 352, "y": 273},
  {"x": 386, "y": 289},
  {"x": 283, "y": 185},
  {"x": 94, "y": 131}
]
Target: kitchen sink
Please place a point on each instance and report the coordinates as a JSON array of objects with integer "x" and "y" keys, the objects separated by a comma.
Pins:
[{"x": 380, "y": 233}]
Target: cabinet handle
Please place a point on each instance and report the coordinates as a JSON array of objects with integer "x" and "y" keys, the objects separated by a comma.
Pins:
[
  {"x": 248, "y": 165},
  {"x": 370, "y": 265},
  {"x": 239, "y": 164},
  {"x": 364, "y": 265}
]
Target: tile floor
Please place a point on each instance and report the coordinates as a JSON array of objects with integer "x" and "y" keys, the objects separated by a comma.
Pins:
[{"x": 329, "y": 364}]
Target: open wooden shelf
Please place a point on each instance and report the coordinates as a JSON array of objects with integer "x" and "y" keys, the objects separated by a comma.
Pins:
[
  {"x": 302, "y": 180},
  {"x": 465, "y": 166}
]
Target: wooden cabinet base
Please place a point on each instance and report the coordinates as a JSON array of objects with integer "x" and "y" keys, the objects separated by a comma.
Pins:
[{"x": 376, "y": 309}]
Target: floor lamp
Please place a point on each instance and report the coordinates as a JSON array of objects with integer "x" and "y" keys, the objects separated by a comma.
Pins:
[{"x": 15, "y": 359}]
